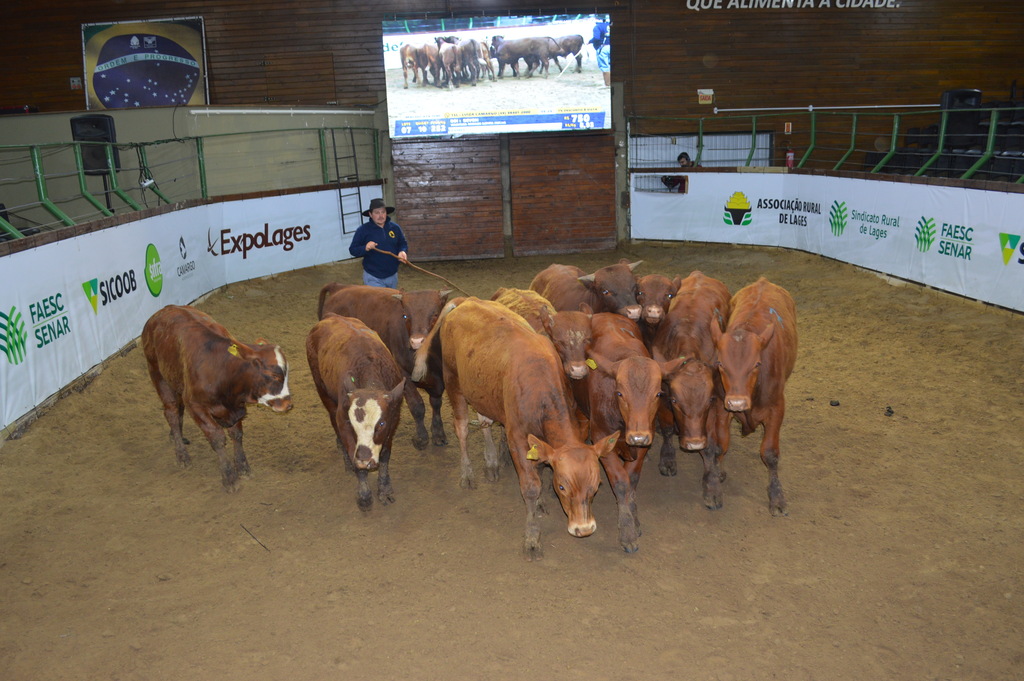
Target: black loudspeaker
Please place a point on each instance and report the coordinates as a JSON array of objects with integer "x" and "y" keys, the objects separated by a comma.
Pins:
[{"x": 95, "y": 128}]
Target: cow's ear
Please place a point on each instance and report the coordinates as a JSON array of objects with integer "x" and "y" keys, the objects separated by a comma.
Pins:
[
  {"x": 672, "y": 366},
  {"x": 397, "y": 296},
  {"x": 607, "y": 445},
  {"x": 346, "y": 388},
  {"x": 766, "y": 335},
  {"x": 598, "y": 362},
  {"x": 539, "y": 450},
  {"x": 676, "y": 283},
  {"x": 586, "y": 309},
  {"x": 716, "y": 331},
  {"x": 545, "y": 319},
  {"x": 396, "y": 393}
]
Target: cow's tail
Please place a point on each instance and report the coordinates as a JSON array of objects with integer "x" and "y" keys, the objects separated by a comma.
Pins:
[
  {"x": 432, "y": 343},
  {"x": 326, "y": 291}
]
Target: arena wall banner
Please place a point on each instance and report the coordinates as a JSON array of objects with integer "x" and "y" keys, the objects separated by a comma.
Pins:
[
  {"x": 965, "y": 241},
  {"x": 67, "y": 306}
]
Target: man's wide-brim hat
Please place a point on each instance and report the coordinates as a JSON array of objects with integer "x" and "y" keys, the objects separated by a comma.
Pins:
[{"x": 375, "y": 204}]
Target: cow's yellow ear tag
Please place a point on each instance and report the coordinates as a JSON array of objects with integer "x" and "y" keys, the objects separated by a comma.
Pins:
[
  {"x": 234, "y": 350},
  {"x": 532, "y": 455},
  {"x": 592, "y": 364}
]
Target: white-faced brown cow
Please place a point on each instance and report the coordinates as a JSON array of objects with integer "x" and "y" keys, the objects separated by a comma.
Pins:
[
  {"x": 609, "y": 289},
  {"x": 509, "y": 373},
  {"x": 361, "y": 387},
  {"x": 756, "y": 354},
  {"x": 402, "y": 319},
  {"x": 696, "y": 317},
  {"x": 195, "y": 363}
]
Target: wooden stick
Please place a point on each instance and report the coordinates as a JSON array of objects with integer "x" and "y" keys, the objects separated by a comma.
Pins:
[{"x": 417, "y": 267}]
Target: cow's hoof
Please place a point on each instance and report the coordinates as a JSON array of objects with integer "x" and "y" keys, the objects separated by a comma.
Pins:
[
  {"x": 420, "y": 441},
  {"x": 667, "y": 467},
  {"x": 244, "y": 471},
  {"x": 466, "y": 483},
  {"x": 532, "y": 551},
  {"x": 712, "y": 502},
  {"x": 492, "y": 474},
  {"x": 231, "y": 487},
  {"x": 440, "y": 439},
  {"x": 364, "y": 503},
  {"x": 386, "y": 498}
]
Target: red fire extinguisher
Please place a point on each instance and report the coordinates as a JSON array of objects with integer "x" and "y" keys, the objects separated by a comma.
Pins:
[{"x": 790, "y": 158}]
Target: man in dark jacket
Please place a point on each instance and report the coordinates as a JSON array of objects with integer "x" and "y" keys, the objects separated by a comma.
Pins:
[{"x": 374, "y": 240}]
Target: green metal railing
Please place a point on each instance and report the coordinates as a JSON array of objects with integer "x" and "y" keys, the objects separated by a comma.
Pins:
[
  {"x": 49, "y": 186},
  {"x": 916, "y": 142}
]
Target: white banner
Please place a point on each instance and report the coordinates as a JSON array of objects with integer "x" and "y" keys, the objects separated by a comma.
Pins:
[
  {"x": 67, "y": 306},
  {"x": 965, "y": 241}
]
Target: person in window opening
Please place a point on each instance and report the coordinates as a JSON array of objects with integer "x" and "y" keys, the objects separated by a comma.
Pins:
[
  {"x": 602, "y": 42},
  {"x": 684, "y": 160},
  {"x": 374, "y": 240}
]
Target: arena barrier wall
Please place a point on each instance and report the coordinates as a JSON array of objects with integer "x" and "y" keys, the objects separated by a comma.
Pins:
[
  {"x": 966, "y": 241},
  {"x": 67, "y": 306}
]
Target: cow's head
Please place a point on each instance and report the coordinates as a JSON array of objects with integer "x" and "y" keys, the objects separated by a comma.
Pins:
[
  {"x": 638, "y": 393},
  {"x": 420, "y": 310},
  {"x": 739, "y": 363},
  {"x": 270, "y": 386},
  {"x": 615, "y": 287},
  {"x": 654, "y": 293},
  {"x": 690, "y": 387},
  {"x": 571, "y": 335},
  {"x": 576, "y": 477},
  {"x": 373, "y": 415}
]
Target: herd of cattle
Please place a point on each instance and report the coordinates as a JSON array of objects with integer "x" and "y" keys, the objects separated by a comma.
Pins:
[
  {"x": 580, "y": 369},
  {"x": 451, "y": 60}
]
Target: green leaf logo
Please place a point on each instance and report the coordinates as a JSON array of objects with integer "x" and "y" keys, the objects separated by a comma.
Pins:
[
  {"x": 13, "y": 336},
  {"x": 924, "y": 234},
  {"x": 837, "y": 217},
  {"x": 1008, "y": 243},
  {"x": 91, "y": 289}
]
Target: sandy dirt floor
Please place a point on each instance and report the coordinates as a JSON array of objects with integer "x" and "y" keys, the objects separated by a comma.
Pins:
[{"x": 901, "y": 558}]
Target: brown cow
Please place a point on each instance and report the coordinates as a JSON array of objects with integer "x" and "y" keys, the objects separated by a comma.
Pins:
[
  {"x": 654, "y": 292},
  {"x": 408, "y": 55},
  {"x": 698, "y": 311},
  {"x": 361, "y": 387},
  {"x": 568, "y": 330},
  {"x": 609, "y": 289},
  {"x": 194, "y": 362},
  {"x": 536, "y": 52},
  {"x": 485, "y": 61},
  {"x": 622, "y": 394},
  {"x": 449, "y": 61},
  {"x": 570, "y": 46},
  {"x": 402, "y": 319},
  {"x": 756, "y": 354},
  {"x": 526, "y": 303},
  {"x": 494, "y": 361}
]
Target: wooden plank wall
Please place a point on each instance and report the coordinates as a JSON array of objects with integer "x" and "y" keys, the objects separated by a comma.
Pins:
[
  {"x": 326, "y": 52},
  {"x": 663, "y": 51},
  {"x": 563, "y": 193},
  {"x": 448, "y": 197}
]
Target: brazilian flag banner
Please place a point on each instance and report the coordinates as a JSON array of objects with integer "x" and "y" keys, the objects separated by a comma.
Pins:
[{"x": 137, "y": 64}]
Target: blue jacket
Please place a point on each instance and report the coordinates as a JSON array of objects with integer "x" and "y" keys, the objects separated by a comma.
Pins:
[{"x": 389, "y": 238}]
